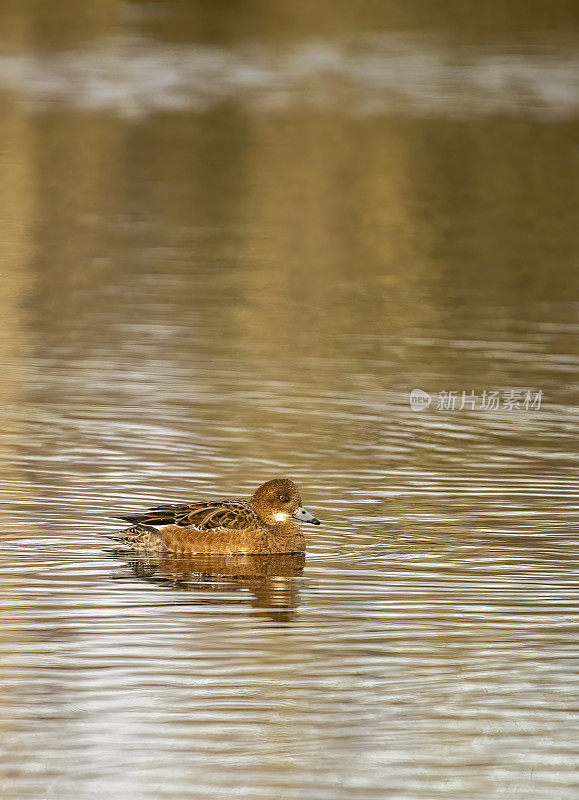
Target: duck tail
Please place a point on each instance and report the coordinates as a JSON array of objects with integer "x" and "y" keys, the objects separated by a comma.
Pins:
[
  {"x": 159, "y": 515},
  {"x": 143, "y": 537}
]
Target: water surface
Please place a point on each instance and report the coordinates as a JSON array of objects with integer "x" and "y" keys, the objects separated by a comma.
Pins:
[{"x": 238, "y": 272}]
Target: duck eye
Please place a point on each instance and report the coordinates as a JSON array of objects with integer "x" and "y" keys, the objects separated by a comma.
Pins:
[{"x": 283, "y": 498}]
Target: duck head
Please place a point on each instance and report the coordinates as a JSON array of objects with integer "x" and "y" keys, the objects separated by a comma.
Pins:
[{"x": 278, "y": 501}]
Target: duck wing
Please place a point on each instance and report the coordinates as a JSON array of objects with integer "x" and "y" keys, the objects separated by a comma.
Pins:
[
  {"x": 212, "y": 514},
  {"x": 157, "y": 516},
  {"x": 204, "y": 516}
]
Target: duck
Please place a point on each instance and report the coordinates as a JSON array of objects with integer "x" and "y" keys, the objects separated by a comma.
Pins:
[{"x": 266, "y": 523}]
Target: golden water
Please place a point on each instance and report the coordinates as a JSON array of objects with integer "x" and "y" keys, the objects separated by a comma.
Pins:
[{"x": 232, "y": 242}]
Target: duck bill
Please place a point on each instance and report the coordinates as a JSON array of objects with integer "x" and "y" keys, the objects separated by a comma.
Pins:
[{"x": 304, "y": 516}]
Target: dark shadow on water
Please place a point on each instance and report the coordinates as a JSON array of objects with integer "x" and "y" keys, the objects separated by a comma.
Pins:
[{"x": 267, "y": 581}]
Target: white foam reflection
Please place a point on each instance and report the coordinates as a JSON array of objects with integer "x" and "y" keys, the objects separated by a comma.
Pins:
[{"x": 366, "y": 75}]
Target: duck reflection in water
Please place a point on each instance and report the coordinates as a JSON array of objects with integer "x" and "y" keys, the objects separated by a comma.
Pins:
[{"x": 268, "y": 581}]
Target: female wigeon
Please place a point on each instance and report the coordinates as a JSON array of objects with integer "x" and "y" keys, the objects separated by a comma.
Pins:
[{"x": 266, "y": 523}]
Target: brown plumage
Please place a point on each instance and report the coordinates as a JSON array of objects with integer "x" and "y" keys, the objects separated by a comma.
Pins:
[{"x": 266, "y": 523}]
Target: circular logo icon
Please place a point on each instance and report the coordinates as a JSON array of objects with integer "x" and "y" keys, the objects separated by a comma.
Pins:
[{"x": 419, "y": 400}]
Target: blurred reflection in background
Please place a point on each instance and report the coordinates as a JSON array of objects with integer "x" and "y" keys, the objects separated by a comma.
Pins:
[{"x": 234, "y": 237}]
